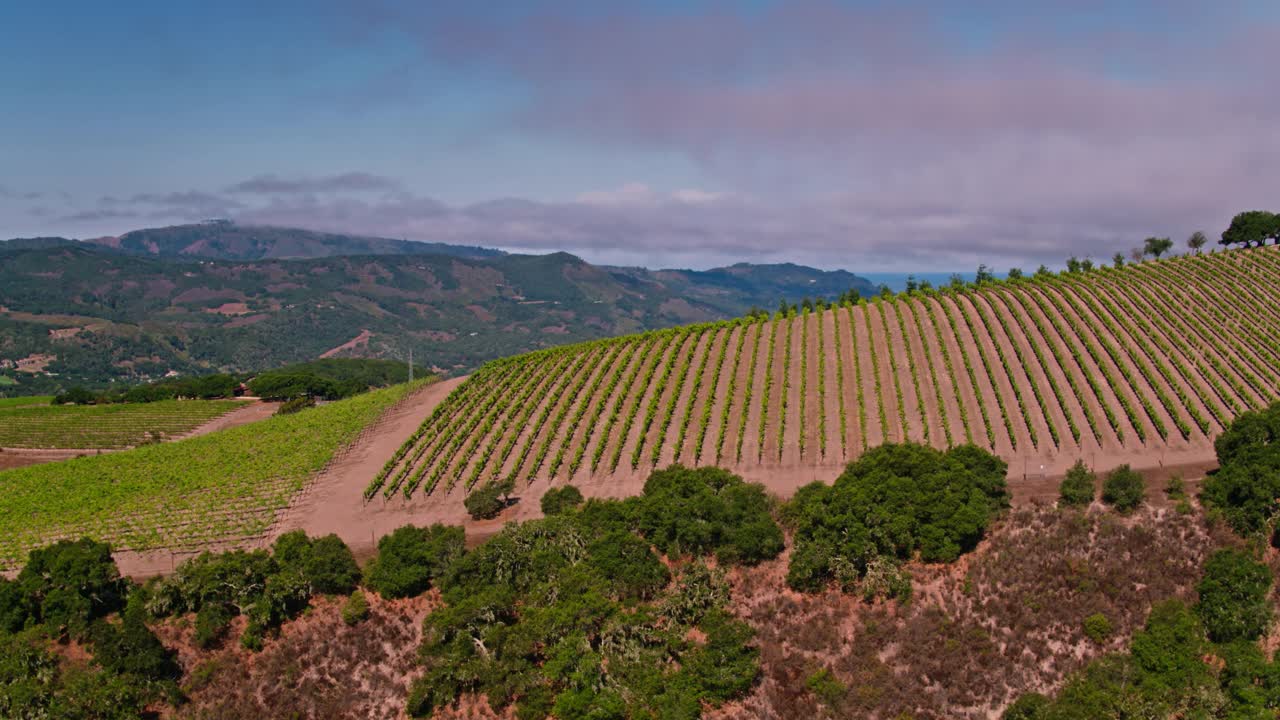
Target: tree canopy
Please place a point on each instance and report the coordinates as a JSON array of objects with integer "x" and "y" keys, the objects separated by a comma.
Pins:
[
  {"x": 1246, "y": 485},
  {"x": 896, "y": 501},
  {"x": 1156, "y": 246},
  {"x": 1252, "y": 227}
]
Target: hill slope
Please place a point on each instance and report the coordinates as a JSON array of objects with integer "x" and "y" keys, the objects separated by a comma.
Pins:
[
  {"x": 1144, "y": 364},
  {"x": 96, "y": 314},
  {"x": 225, "y": 240}
]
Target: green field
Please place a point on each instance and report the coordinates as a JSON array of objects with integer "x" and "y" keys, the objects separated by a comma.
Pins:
[
  {"x": 225, "y": 485},
  {"x": 23, "y": 401},
  {"x": 24, "y": 425}
]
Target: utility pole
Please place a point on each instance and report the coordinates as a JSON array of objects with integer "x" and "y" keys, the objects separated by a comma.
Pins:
[{"x": 410, "y": 364}]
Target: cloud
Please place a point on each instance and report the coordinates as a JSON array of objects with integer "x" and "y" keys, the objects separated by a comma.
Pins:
[
  {"x": 909, "y": 130},
  {"x": 345, "y": 182}
]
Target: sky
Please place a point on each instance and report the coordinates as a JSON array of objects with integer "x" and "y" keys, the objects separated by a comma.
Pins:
[{"x": 915, "y": 135}]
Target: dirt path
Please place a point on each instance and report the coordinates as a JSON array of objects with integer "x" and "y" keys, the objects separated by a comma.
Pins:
[
  {"x": 252, "y": 411},
  {"x": 331, "y": 503}
]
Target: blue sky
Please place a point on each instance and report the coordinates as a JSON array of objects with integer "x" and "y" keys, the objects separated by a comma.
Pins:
[{"x": 909, "y": 135}]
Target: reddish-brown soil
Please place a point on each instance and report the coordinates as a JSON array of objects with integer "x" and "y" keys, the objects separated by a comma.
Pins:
[{"x": 360, "y": 340}]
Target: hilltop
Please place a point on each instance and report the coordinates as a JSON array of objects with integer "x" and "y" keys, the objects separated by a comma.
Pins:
[
  {"x": 206, "y": 298},
  {"x": 1143, "y": 364}
]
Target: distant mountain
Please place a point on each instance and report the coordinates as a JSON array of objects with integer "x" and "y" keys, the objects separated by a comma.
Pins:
[
  {"x": 225, "y": 240},
  {"x": 89, "y": 312}
]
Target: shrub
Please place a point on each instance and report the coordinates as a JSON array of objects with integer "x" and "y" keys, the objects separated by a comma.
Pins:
[
  {"x": 130, "y": 648},
  {"x": 298, "y": 404},
  {"x": 1079, "y": 486},
  {"x": 560, "y": 500},
  {"x": 899, "y": 501},
  {"x": 326, "y": 563},
  {"x": 1097, "y": 628},
  {"x": 486, "y": 501},
  {"x": 825, "y": 687},
  {"x": 708, "y": 509},
  {"x": 1246, "y": 485},
  {"x": 356, "y": 609},
  {"x": 632, "y": 569},
  {"x": 1028, "y": 706},
  {"x": 66, "y": 586},
  {"x": 212, "y": 621},
  {"x": 411, "y": 557},
  {"x": 1233, "y": 597},
  {"x": 1124, "y": 489}
]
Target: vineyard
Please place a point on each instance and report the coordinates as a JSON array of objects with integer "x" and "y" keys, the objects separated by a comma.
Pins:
[
  {"x": 224, "y": 486},
  {"x": 1144, "y": 363},
  {"x": 23, "y": 425}
]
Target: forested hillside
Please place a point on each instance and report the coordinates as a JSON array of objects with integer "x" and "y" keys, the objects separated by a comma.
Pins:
[{"x": 78, "y": 313}]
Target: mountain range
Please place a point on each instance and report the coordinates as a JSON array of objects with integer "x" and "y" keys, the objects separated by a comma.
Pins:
[{"x": 221, "y": 296}]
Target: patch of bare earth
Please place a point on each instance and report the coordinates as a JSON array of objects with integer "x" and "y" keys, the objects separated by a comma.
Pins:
[
  {"x": 318, "y": 667},
  {"x": 361, "y": 340},
  {"x": 1004, "y": 620}
]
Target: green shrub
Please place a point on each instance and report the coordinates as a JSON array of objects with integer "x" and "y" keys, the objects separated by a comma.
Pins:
[
  {"x": 356, "y": 609},
  {"x": 293, "y": 405},
  {"x": 486, "y": 501},
  {"x": 1234, "y": 597},
  {"x": 1097, "y": 628},
  {"x": 1124, "y": 489},
  {"x": 573, "y": 615},
  {"x": 326, "y": 562},
  {"x": 1246, "y": 485},
  {"x": 708, "y": 509},
  {"x": 130, "y": 648},
  {"x": 1028, "y": 706},
  {"x": 627, "y": 562},
  {"x": 411, "y": 558},
  {"x": 897, "y": 500},
  {"x": 66, "y": 586},
  {"x": 825, "y": 687},
  {"x": 212, "y": 621},
  {"x": 1079, "y": 486},
  {"x": 560, "y": 500}
]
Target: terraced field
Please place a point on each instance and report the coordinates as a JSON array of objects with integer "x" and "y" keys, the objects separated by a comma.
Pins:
[
  {"x": 223, "y": 487},
  {"x": 1142, "y": 364},
  {"x": 23, "y": 425}
]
